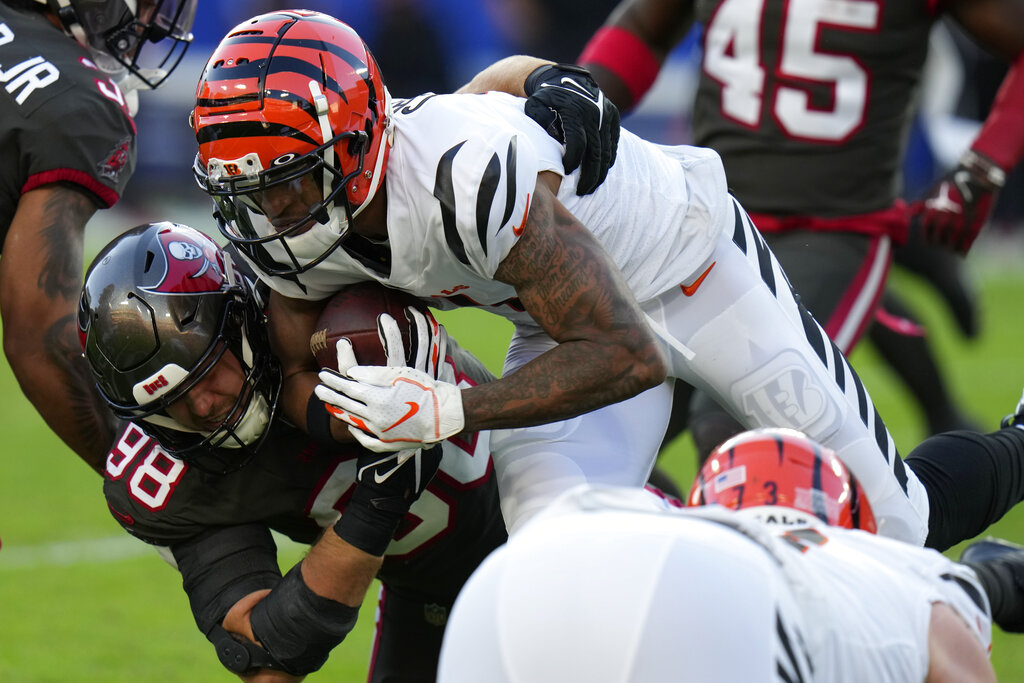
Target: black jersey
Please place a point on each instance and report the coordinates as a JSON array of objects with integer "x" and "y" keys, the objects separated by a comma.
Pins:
[
  {"x": 61, "y": 119},
  {"x": 809, "y": 103},
  {"x": 298, "y": 486}
]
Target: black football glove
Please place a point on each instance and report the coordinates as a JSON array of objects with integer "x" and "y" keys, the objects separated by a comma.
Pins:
[
  {"x": 387, "y": 484},
  {"x": 566, "y": 101},
  {"x": 958, "y": 205}
]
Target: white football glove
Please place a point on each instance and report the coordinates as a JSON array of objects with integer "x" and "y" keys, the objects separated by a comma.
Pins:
[
  {"x": 390, "y": 408},
  {"x": 429, "y": 344}
]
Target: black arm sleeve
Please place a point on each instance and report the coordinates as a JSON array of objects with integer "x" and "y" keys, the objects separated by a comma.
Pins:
[{"x": 224, "y": 564}]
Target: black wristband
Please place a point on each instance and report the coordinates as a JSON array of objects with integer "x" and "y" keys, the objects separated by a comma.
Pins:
[
  {"x": 366, "y": 524},
  {"x": 318, "y": 420}
]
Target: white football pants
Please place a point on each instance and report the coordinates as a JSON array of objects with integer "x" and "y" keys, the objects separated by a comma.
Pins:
[{"x": 742, "y": 337}]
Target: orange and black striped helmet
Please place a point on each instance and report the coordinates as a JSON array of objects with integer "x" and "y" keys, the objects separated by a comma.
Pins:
[
  {"x": 291, "y": 99},
  {"x": 775, "y": 470}
]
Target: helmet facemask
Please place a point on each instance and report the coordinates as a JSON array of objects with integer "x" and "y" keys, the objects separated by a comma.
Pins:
[
  {"x": 121, "y": 36},
  {"x": 236, "y": 440},
  {"x": 302, "y": 244}
]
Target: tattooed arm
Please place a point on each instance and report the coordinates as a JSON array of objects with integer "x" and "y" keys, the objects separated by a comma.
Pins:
[
  {"x": 606, "y": 352},
  {"x": 40, "y": 282}
]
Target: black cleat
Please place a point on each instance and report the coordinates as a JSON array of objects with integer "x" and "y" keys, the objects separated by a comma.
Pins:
[{"x": 999, "y": 565}]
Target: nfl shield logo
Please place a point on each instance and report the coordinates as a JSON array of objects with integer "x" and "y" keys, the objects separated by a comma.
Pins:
[{"x": 435, "y": 615}]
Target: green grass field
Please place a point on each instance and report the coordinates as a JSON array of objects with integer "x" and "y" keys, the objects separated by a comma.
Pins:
[{"x": 82, "y": 602}]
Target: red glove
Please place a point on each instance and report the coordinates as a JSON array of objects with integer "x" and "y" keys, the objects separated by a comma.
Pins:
[{"x": 959, "y": 204}]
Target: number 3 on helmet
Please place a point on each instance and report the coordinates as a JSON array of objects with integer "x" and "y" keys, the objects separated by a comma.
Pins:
[
  {"x": 287, "y": 100},
  {"x": 782, "y": 468}
]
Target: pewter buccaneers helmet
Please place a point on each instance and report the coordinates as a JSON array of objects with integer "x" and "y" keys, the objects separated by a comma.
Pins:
[
  {"x": 116, "y": 33},
  {"x": 770, "y": 469},
  {"x": 286, "y": 95},
  {"x": 162, "y": 303}
]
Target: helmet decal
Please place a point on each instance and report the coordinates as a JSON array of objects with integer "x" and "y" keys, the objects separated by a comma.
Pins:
[
  {"x": 161, "y": 307},
  {"x": 187, "y": 264},
  {"x": 769, "y": 471}
]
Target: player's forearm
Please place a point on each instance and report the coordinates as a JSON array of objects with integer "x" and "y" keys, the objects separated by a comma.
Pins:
[
  {"x": 569, "y": 380},
  {"x": 340, "y": 571},
  {"x": 506, "y": 75},
  {"x": 291, "y": 324},
  {"x": 40, "y": 283},
  {"x": 626, "y": 53},
  {"x": 56, "y": 378},
  {"x": 1001, "y": 138},
  {"x": 300, "y": 621}
]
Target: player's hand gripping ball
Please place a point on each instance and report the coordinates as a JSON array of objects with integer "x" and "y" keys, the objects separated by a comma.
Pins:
[
  {"x": 386, "y": 388},
  {"x": 353, "y": 313}
]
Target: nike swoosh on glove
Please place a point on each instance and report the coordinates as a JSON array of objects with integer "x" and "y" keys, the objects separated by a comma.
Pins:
[
  {"x": 386, "y": 486},
  {"x": 568, "y": 104},
  {"x": 390, "y": 408}
]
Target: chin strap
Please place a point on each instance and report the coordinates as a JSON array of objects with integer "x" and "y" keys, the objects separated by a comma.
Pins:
[
  {"x": 378, "y": 163},
  {"x": 326, "y": 132},
  {"x": 338, "y": 222}
]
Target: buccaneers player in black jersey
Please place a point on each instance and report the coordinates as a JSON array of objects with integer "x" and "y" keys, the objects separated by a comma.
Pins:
[
  {"x": 207, "y": 467},
  {"x": 70, "y": 69}
]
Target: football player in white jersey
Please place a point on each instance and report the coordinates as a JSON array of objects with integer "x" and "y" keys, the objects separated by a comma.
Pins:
[
  {"x": 780, "y": 577},
  {"x": 322, "y": 180}
]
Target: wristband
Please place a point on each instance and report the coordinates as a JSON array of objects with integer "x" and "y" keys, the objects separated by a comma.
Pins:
[
  {"x": 367, "y": 523},
  {"x": 626, "y": 56},
  {"x": 1001, "y": 138}
]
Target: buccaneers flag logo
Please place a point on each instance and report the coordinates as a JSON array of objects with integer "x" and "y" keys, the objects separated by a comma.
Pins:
[{"x": 190, "y": 266}]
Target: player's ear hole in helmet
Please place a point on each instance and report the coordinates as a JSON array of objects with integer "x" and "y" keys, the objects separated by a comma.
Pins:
[
  {"x": 162, "y": 305},
  {"x": 775, "y": 470},
  {"x": 291, "y": 102},
  {"x": 121, "y": 35}
]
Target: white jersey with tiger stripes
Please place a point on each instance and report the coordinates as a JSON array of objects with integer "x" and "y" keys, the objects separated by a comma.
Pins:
[{"x": 459, "y": 180}]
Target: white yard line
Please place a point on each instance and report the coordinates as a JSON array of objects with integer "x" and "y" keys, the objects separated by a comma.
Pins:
[
  {"x": 93, "y": 551},
  {"x": 68, "y": 553}
]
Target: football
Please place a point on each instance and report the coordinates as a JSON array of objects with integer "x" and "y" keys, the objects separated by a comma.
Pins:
[{"x": 352, "y": 313}]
